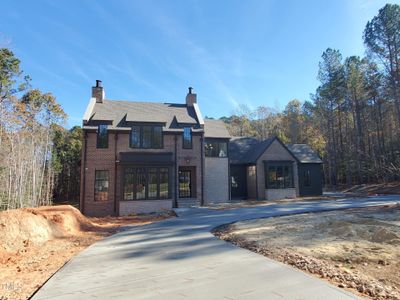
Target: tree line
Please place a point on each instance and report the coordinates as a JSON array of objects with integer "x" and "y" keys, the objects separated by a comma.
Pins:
[
  {"x": 38, "y": 156},
  {"x": 352, "y": 119}
]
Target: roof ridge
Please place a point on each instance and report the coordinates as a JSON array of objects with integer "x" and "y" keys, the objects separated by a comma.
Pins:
[{"x": 145, "y": 102}]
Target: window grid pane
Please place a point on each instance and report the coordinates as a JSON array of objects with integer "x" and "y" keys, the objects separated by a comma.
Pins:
[
  {"x": 187, "y": 138},
  {"x": 164, "y": 189},
  {"x": 140, "y": 184},
  {"x": 135, "y": 137},
  {"x": 157, "y": 137},
  {"x": 146, "y": 138},
  {"x": 279, "y": 176},
  {"x": 185, "y": 184},
  {"x": 101, "y": 184},
  {"x": 102, "y": 136},
  {"x": 216, "y": 149},
  {"x": 153, "y": 183},
  {"x": 146, "y": 183}
]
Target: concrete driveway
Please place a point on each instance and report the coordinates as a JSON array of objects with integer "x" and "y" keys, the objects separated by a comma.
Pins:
[{"x": 180, "y": 259}]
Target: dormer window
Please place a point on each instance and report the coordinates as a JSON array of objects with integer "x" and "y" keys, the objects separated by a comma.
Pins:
[
  {"x": 187, "y": 138},
  {"x": 102, "y": 136}
]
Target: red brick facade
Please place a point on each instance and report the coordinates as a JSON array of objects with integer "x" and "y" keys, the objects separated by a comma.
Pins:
[{"x": 108, "y": 159}]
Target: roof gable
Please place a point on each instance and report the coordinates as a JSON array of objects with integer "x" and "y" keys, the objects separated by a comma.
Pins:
[
  {"x": 247, "y": 150},
  {"x": 304, "y": 153}
]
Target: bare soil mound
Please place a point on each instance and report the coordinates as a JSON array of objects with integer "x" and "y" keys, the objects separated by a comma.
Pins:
[
  {"x": 36, "y": 242},
  {"x": 20, "y": 227}
]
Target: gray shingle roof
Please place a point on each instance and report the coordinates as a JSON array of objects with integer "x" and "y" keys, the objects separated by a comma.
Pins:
[
  {"x": 246, "y": 150},
  {"x": 304, "y": 153},
  {"x": 215, "y": 129},
  {"x": 118, "y": 112}
]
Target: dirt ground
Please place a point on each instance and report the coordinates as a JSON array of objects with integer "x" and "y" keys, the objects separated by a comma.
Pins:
[
  {"x": 374, "y": 189},
  {"x": 357, "y": 249},
  {"x": 36, "y": 242}
]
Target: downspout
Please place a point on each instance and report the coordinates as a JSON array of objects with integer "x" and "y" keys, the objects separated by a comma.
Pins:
[
  {"x": 84, "y": 174},
  {"x": 202, "y": 170},
  {"x": 176, "y": 173},
  {"x": 230, "y": 180},
  {"x": 116, "y": 206},
  {"x": 229, "y": 174},
  {"x": 256, "y": 181}
]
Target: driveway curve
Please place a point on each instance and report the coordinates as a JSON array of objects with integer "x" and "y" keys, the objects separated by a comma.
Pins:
[{"x": 180, "y": 259}]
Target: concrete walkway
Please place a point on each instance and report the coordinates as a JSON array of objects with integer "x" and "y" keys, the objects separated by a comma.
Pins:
[{"x": 180, "y": 259}]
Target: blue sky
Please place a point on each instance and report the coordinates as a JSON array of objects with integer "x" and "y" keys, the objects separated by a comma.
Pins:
[{"x": 232, "y": 52}]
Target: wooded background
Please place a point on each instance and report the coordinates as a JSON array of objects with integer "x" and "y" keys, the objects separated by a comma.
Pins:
[
  {"x": 352, "y": 120},
  {"x": 353, "y": 117}
]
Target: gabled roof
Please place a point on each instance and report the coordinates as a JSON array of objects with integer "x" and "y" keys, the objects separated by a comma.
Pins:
[
  {"x": 215, "y": 129},
  {"x": 246, "y": 150},
  {"x": 304, "y": 153},
  {"x": 118, "y": 113}
]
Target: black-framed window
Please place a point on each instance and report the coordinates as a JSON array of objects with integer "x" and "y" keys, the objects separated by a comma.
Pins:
[
  {"x": 144, "y": 183},
  {"x": 215, "y": 148},
  {"x": 185, "y": 184},
  {"x": 163, "y": 183},
  {"x": 135, "y": 138},
  {"x": 187, "y": 138},
  {"x": 307, "y": 178},
  {"x": 279, "y": 175},
  {"x": 102, "y": 136},
  {"x": 101, "y": 185},
  {"x": 146, "y": 137}
]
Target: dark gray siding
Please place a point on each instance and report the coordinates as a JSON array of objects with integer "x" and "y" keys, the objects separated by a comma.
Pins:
[{"x": 315, "y": 183}]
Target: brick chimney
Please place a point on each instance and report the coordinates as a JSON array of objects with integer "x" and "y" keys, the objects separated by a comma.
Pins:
[
  {"x": 98, "y": 92},
  {"x": 191, "y": 97}
]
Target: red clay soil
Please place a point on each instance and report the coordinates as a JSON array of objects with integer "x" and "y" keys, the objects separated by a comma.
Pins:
[{"x": 36, "y": 242}]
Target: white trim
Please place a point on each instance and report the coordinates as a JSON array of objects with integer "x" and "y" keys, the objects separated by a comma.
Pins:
[
  {"x": 198, "y": 114},
  {"x": 89, "y": 110}
]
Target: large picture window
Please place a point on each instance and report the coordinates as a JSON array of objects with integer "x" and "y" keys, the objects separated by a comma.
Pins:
[
  {"x": 101, "y": 184},
  {"x": 102, "y": 136},
  {"x": 279, "y": 175},
  {"x": 143, "y": 183},
  {"x": 215, "y": 148},
  {"x": 187, "y": 138},
  {"x": 146, "y": 137}
]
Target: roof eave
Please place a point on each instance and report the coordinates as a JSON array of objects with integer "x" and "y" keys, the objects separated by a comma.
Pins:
[{"x": 89, "y": 110}]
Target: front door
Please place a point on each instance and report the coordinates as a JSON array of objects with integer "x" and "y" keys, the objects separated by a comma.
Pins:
[
  {"x": 238, "y": 182},
  {"x": 185, "y": 183}
]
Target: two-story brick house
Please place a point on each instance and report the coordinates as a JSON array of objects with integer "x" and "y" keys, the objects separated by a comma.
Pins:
[{"x": 141, "y": 157}]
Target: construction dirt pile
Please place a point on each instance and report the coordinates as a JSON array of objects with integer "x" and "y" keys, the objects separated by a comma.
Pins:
[
  {"x": 36, "y": 242},
  {"x": 357, "y": 249}
]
